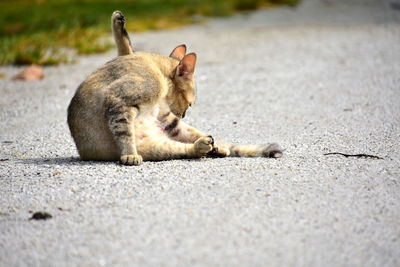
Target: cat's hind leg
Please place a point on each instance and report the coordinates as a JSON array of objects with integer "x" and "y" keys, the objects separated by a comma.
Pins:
[
  {"x": 120, "y": 34},
  {"x": 225, "y": 149},
  {"x": 164, "y": 148}
]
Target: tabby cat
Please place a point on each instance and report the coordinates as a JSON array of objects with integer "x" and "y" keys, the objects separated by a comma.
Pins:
[{"x": 131, "y": 108}]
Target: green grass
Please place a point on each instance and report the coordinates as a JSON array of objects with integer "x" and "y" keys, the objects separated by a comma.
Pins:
[{"x": 48, "y": 32}]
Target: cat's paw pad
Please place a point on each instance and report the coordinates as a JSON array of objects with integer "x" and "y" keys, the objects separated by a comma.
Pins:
[
  {"x": 219, "y": 152},
  {"x": 203, "y": 145},
  {"x": 131, "y": 160},
  {"x": 272, "y": 151},
  {"x": 118, "y": 17}
]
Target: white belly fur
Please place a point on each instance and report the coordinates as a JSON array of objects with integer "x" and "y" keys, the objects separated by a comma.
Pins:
[{"x": 147, "y": 125}]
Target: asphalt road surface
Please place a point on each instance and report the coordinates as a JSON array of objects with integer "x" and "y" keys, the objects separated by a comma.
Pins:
[{"x": 320, "y": 78}]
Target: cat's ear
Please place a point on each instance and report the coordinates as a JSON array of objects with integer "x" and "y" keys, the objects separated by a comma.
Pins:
[
  {"x": 179, "y": 52},
  {"x": 186, "y": 67}
]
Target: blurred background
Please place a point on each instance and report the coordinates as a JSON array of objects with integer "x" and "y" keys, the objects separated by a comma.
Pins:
[{"x": 50, "y": 32}]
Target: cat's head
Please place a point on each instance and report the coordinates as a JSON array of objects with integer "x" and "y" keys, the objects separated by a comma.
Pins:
[{"x": 183, "y": 94}]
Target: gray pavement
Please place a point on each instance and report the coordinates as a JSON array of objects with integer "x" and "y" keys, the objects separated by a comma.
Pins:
[{"x": 323, "y": 77}]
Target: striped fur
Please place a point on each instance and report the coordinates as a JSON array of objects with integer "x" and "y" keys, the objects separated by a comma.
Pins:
[{"x": 131, "y": 109}]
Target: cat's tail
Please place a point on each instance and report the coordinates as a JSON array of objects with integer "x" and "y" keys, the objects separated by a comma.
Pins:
[
  {"x": 120, "y": 34},
  {"x": 233, "y": 150}
]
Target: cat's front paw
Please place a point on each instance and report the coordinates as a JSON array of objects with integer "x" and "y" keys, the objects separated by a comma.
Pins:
[
  {"x": 131, "y": 160},
  {"x": 203, "y": 145},
  {"x": 272, "y": 151}
]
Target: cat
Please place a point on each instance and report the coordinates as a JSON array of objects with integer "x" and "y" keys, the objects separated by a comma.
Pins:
[{"x": 131, "y": 109}]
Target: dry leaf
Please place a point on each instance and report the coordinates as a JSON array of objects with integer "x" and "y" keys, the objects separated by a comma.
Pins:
[{"x": 30, "y": 73}]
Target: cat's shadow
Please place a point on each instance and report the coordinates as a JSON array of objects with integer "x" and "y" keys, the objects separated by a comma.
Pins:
[
  {"x": 65, "y": 161},
  {"x": 76, "y": 161}
]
